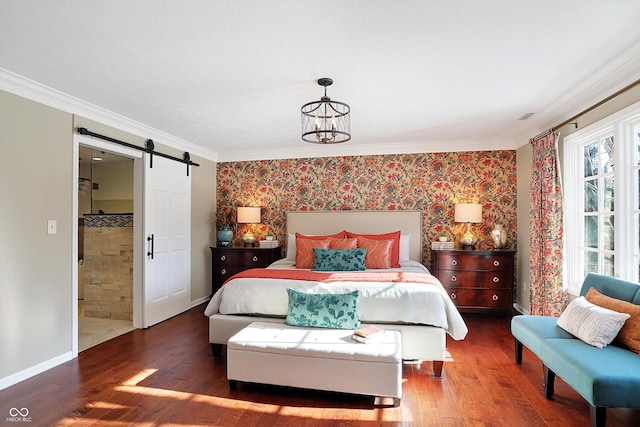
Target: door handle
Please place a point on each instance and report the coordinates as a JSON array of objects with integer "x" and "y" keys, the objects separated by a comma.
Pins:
[{"x": 150, "y": 239}]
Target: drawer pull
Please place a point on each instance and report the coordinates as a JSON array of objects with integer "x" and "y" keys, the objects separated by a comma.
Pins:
[
  {"x": 454, "y": 262},
  {"x": 454, "y": 278},
  {"x": 224, "y": 271},
  {"x": 495, "y": 298},
  {"x": 223, "y": 258},
  {"x": 255, "y": 258},
  {"x": 496, "y": 263},
  {"x": 453, "y": 295},
  {"x": 496, "y": 279}
]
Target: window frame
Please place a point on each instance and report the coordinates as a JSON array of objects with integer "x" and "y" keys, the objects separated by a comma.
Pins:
[{"x": 624, "y": 127}]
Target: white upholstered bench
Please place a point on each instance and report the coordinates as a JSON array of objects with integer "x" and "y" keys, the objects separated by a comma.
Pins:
[{"x": 315, "y": 358}]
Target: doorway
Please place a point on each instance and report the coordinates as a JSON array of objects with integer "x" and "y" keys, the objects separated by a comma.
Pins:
[
  {"x": 84, "y": 178},
  {"x": 105, "y": 245}
]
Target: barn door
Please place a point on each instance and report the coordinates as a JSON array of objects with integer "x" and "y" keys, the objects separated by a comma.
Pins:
[{"x": 167, "y": 224}]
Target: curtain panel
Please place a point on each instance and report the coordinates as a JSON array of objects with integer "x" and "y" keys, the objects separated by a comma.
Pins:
[{"x": 547, "y": 294}]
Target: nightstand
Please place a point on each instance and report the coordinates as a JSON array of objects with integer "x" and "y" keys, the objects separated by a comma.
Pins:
[
  {"x": 476, "y": 281},
  {"x": 227, "y": 261}
]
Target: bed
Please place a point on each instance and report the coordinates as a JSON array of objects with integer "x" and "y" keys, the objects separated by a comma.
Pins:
[{"x": 404, "y": 297}]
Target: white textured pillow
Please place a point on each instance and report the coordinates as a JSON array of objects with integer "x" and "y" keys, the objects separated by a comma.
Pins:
[
  {"x": 291, "y": 247},
  {"x": 597, "y": 326},
  {"x": 405, "y": 247}
]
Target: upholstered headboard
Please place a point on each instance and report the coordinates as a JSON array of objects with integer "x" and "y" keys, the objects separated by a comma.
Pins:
[{"x": 371, "y": 222}]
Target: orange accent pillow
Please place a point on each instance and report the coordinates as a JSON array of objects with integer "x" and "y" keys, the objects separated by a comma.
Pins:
[
  {"x": 340, "y": 235},
  {"x": 629, "y": 335},
  {"x": 378, "y": 252},
  {"x": 304, "y": 251},
  {"x": 343, "y": 243},
  {"x": 395, "y": 248}
]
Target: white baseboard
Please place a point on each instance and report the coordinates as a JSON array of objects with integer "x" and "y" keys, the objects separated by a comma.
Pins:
[
  {"x": 199, "y": 301},
  {"x": 520, "y": 309},
  {"x": 34, "y": 370}
]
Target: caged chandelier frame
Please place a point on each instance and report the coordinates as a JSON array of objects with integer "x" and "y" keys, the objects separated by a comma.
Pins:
[{"x": 326, "y": 121}]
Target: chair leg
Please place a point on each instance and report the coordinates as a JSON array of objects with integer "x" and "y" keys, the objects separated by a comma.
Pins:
[
  {"x": 598, "y": 416},
  {"x": 518, "y": 352},
  {"x": 549, "y": 377}
]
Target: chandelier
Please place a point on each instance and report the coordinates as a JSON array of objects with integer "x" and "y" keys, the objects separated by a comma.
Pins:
[{"x": 326, "y": 121}]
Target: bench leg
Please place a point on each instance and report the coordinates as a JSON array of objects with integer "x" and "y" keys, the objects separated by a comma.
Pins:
[
  {"x": 437, "y": 368},
  {"x": 598, "y": 416},
  {"x": 549, "y": 377},
  {"x": 217, "y": 350},
  {"x": 518, "y": 352},
  {"x": 386, "y": 402}
]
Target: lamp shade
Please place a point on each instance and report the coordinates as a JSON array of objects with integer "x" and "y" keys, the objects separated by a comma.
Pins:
[
  {"x": 249, "y": 214},
  {"x": 468, "y": 212}
]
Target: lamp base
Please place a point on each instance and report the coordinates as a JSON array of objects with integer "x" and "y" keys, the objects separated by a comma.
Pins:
[{"x": 468, "y": 247}]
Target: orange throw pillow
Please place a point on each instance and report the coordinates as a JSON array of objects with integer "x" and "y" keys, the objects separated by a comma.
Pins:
[
  {"x": 629, "y": 335},
  {"x": 395, "y": 248},
  {"x": 378, "y": 252},
  {"x": 304, "y": 251},
  {"x": 343, "y": 243},
  {"x": 340, "y": 235}
]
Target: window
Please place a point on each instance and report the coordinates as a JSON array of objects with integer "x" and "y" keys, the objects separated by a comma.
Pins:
[{"x": 602, "y": 199}]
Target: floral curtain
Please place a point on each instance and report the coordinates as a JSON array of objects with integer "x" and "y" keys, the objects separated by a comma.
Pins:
[{"x": 547, "y": 294}]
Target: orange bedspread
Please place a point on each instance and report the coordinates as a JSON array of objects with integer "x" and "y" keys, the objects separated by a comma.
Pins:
[{"x": 346, "y": 276}]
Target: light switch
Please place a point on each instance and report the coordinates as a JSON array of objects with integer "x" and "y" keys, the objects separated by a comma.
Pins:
[{"x": 51, "y": 226}]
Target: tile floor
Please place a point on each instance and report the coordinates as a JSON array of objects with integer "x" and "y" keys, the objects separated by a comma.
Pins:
[{"x": 93, "y": 330}]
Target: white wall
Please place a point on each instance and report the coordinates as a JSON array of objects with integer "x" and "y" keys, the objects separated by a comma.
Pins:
[
  {"x": 36, "y": 166},
  {"x": 115, "y": 186},
  {"x": 523, "y": 171}
]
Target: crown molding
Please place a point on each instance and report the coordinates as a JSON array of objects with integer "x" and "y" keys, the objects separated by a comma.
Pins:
[
  {"x": 307, "y": 150},
  {"x": 585, "y": 95},
  {"x": 34, "y": 91}
]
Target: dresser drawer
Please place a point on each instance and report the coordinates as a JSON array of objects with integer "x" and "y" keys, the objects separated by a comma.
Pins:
[
  {"x": 246, "y": 258},
  {"x": 496, "y": 262},
  {"x": 222, "y": 272},
  {"x": 476, "y": 279},
  {"x": 476, "y": 298}
]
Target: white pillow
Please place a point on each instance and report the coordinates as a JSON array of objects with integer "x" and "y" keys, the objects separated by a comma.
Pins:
[
  {"x": 405, "y": 247},
  {"x": 291, "y": 247},
  {"x": 595, "y": 325}
]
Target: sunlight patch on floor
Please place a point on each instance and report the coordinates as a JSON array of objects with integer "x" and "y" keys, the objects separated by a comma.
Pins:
[{"x": 131, "y": 385}]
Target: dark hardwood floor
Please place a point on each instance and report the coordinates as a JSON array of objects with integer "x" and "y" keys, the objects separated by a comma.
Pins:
[{"x": 165, "y": 375}]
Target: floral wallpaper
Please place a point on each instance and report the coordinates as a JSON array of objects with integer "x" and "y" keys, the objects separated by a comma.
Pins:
[{"x": 429, "y": 182}]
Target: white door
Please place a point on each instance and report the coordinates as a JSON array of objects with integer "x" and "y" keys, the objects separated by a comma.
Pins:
[{"x": 167, "y": 223}]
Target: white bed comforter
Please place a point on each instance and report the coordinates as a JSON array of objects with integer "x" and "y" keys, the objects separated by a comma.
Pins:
[{"x": 379, "y": 302}]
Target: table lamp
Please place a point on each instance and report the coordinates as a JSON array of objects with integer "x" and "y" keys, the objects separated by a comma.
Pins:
[
  {"x": 468, "y": 212},
  {"x": 248, "y": 215}
]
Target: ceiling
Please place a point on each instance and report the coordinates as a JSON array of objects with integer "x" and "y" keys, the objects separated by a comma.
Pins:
[
  {"x": 419, "y": 75},
  {"x": 90, "y": 156}
]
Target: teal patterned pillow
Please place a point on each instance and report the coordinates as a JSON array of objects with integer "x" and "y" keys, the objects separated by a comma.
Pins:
[
  {"x": 337, "y": 311},
  {"x": 339, "y": 259}
]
